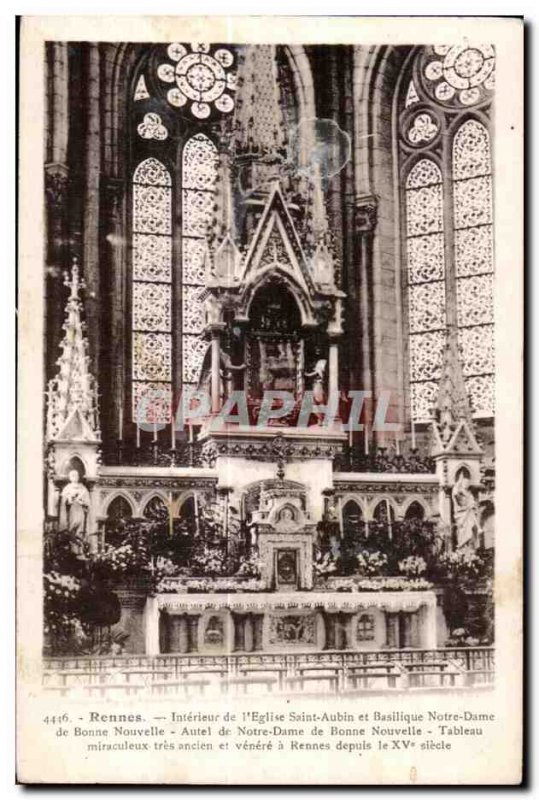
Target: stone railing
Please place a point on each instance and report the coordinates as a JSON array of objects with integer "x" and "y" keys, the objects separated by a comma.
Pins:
[
  {"x": 340, "y": 671},
  {"x": 383, "y": 460},
  {"x": 157, "y": 453}
]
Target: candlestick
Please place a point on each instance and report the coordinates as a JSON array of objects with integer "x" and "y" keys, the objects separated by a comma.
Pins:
[
  {"x": 413, "y": 434},
  {"x": 197, "y": 524},
  {"x": 170, "y": 518}
]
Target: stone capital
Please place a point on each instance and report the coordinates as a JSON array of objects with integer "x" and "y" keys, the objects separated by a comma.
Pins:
[{"x": 366, "y": 214}]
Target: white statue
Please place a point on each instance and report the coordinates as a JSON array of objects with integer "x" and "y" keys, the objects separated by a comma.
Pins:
[
  {"x": 465, "y": 511},
  {"x": 317, "y": 375},
  {"x": 74, "y": 505}
]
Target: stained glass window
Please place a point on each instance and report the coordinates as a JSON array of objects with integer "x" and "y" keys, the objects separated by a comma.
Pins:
[
  {"x": 426, "y": 283},
  {"x": 449, "y": 246},
  {"x": 472, "y": 211},
  {"x": 199, "y": 174},
  {"x": 151, "y": 297}
]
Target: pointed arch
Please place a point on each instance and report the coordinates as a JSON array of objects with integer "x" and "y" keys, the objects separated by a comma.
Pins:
[
  {"x": 119, "y": 502},
  {"x": 434, "y": 119},
  {"x": 156, "y": 507},
  {"x": 353, "y": 519},
  {"x": 415, "y": 510},
  {"x": 384, "y": 511}
]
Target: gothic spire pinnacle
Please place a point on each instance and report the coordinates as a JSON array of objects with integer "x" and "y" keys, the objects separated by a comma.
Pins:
[
  {"x": 259, "y": 123},
  {"x": 72, "y": 394},
  {"x": 453, "y": 411}
]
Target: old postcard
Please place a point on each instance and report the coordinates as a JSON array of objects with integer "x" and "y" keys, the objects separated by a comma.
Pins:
[{"x": 270, "y": 400}]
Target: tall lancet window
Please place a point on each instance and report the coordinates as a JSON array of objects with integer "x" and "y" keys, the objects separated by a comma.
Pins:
[
  {"x": 199, "y": 173},
  {"x": 426, "y": 282},
  {"x": 472, "y": 205},
  {"x": 445, "y": 102},
  {"x": 151, "y": 300}
]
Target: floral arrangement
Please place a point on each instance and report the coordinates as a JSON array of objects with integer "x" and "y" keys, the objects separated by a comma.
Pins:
[
  {"x": 60, "y": 600},
  {"x": 227, "y": 585},
  {"x": 463, "y": 564},
  {"x": 251, "y": 567},
  {"x": 324, "y": 563},
  {"x": 388, "y": 583},
  {"x": 413, "y": 566},
  {"x": 120, "y": 561},
  {"x": 371, "y": 563}
]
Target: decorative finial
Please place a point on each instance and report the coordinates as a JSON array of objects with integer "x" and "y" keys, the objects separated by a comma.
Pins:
[{"x": 72, "y": 396}]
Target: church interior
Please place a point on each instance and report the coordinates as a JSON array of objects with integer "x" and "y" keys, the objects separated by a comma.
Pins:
[{"x": 227, "y": 222}]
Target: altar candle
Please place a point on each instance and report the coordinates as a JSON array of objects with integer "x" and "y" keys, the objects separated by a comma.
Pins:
[
  {"x": 172, "y": 432},
  {"x": 121, "y": 422},
  {"x": 155, "y": 431},
  {"x": 138, "y": 435},
  {"x": 190, "y": 434},
  {"x": 170, "y": 518},
  {"x": 366, "y": 439},
  {"x": 397, "y": 445},
  {"x": 413, "y": 435},
  {"x": 350, "y": 435}
]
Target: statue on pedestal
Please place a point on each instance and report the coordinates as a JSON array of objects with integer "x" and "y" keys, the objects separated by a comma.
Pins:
[
  {"x": 465, "y": 512},
  {"x": 74, "y": 506}
]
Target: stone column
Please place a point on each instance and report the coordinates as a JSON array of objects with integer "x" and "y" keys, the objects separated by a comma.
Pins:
[
  {"x": 428, "y": 627},
  {"x": 258, "y": 624},
  {"x": 239, "y": 633},
  {"x": 366, "y": 213},
  {"x": 183, "y": 633},
  {"x": 329, "y": 621},
  {"x": 151, "y": 627},
  {"x": 132, "y": 603},
  {"x": 333, "y": 381},
  {"x": 248, "y": 633},
  {"x": 215, "y": 372},
  {"x": 192, "y": 628},
  {"x": 90, "y": 261},
  {"x": 392, "y": 629},
  {"x": 112, "y": 222}
]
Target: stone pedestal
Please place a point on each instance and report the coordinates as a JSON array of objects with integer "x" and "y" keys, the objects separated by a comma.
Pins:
[{"x": 132, "y": 618}]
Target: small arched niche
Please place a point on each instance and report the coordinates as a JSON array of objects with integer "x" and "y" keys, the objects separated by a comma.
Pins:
[
  {"x": 415, "y": 511},
  {"x": 274, "y": 352},
  {"x": 119, "y": 514}
]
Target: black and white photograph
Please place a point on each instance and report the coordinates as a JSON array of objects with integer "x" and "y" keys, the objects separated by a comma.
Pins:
[{"x": 269, "y": 373}]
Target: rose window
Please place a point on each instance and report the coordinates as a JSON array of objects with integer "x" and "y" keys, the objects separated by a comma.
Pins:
[
  {"x": 201, "y": 78},
  {"x": 461, "y": 74}
]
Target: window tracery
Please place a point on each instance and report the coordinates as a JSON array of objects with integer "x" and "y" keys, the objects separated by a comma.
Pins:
[
  {"x": 426, "y": 282},
  {"x": 151, "y": 294},
  {"x": 199, "y": 174},
  {"x": 444, "y": 82},
  {"x": 472, "y": 204},
  {"x": 200, "y": 77}
]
